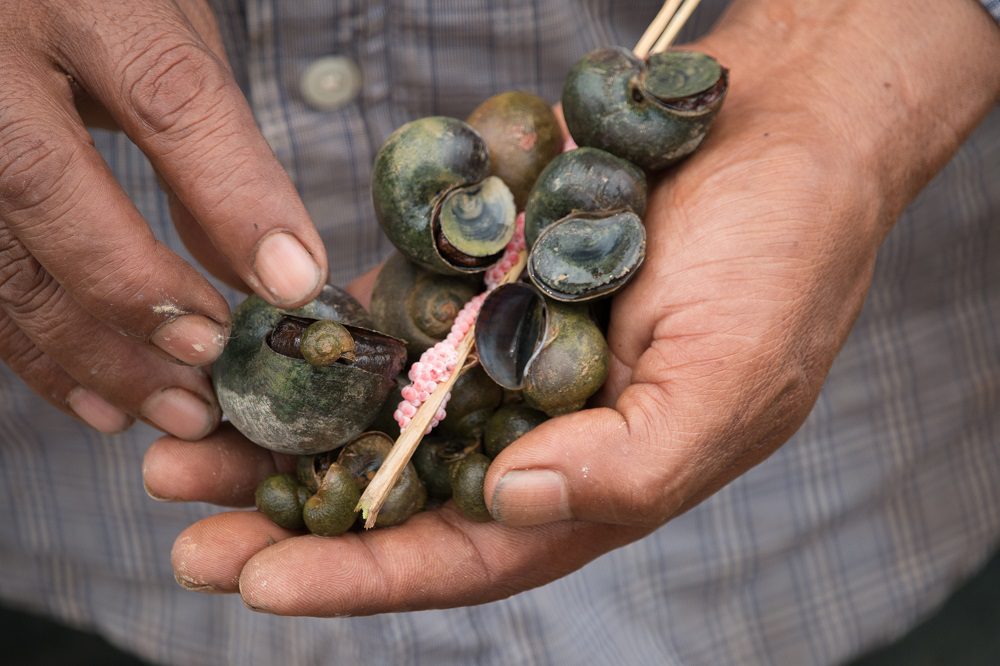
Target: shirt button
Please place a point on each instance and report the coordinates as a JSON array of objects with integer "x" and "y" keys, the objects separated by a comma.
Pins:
[{"x": 330, "y": 82}]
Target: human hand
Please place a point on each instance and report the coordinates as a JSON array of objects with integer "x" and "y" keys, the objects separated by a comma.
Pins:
[
  {"x": 760, "y": 251},
  {"x": 95, "y": 313}
]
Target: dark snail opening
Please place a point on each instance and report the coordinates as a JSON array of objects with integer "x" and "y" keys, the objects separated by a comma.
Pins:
[
  {"x": 375, "y": 353},
  {"x": 472, "y": 224},
  {"x": 509, "y": 331}
]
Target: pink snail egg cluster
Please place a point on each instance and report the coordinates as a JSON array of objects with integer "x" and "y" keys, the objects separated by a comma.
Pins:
[{"x": 437, "y": 363}]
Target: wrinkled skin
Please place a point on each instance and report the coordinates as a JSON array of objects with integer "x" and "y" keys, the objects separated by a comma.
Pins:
[
  {"x": 761, "y": 249},
  {"x": 95, "y": 313}
]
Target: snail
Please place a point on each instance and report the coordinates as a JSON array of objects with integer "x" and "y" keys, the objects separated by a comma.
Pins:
[
  {"x": 281, "y": 498},
  {"x": 507, "y": 424},
  {"x": 522, "y": 135},
  {"x": 553, "y": 352},
  {"x": 583, "y": 223},
  {"x": 434, "y": 457},
  {"x": 417, "y": 305},
  {"x": 652, "y": 113},
  {"x": 474, "y": 398},
  {"x": 281, "y": 401},
  {"x": 336, "y": 480},
  {"x": 467, "y": 478},
  {"x": 435, "y": 199}
]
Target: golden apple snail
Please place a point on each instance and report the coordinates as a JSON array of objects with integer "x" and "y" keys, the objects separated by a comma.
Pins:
[
  {"x": 653, "y": 112},
  {"x": 281, "y": 498},
  {"x": 583, "y": 180},
  {"x": 279, "y": 400},
  {"x": 434, "y": 457},
  {"x": 508, "y": 424},
  {"x": 467, "y": 478},
  {"x": 553, "y": 352},
  {"x": 435, "y": 199},
  {"x": 417, "y": 305},
  {"x": 522, "y": 135}
]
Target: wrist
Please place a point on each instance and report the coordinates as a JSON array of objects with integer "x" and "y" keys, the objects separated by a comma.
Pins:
[{"x": 886, "y": 92}]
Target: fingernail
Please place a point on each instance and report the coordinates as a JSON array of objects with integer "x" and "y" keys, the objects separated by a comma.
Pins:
[
  {"x": 181, "y": 413},
  {"x": 97, "y": 412},
  {"x": 191, "y": 339},
  {"x": 531, "y": 497},
  {"x": 286, "y": 269},
  {"x": 193, "y": 585}
]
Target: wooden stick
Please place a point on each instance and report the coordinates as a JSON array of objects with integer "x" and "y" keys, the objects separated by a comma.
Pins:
[
  {"x": 677, "y": 22},
  {"x": 402, "y": 450},
  {"x": 656, "y": 28}
]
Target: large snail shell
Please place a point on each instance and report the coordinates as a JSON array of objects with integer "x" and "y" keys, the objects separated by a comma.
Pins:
[
  {"x": 651, "y": 113},
  {"x": 522, "y": 134},
  {"x": 435, "y": 198},
  {"x": 553, "y": 352},
  {"x": 283, "y": 403},
  {"x": 417, "y": 305},
  {"x": 583, "y": 180}
]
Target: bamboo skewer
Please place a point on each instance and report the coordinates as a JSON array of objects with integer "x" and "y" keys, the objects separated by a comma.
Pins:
[
  {"x": 657, "y": 37},
  {"x": 677, "y": 22},
  {"x": 645, "y": 44}
]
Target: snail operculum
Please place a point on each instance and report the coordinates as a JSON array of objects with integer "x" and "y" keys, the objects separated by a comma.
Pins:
[
  {"x": 553, "y": 352},
  {"x": 435, "y": 199},
  {"x": 583, "y": 180},
  {"x": 587, "y": 255},
  {"x": 652, "y": 113},
  {"x": 279, "y": 400}
]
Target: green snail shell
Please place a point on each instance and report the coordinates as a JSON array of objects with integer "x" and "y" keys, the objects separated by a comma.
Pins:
[
  {"x": 553, "y": 352},
  {"x": 434, "y": 456},
  {"x": 587, "y": 255},
  {"x": 651, "y": 113},
  {"x": 435, "y": 198},
  {"x": 363, "y": 457},
  {"x": 522, "y": 135},
  {"x": 583, "y": 180},
  {"x": 330, "y": 511},
  {"x": 473, "y": 399},
  {"x": 507, "y": 425},
  {"x": 468, "y": 477},
  {"x": 281, "y": 497},
  {"x": 283, "y": 403},
  {"x": 417, "y": 305}
]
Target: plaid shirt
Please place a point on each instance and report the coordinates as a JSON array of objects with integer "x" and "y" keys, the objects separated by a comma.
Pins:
[{"x": 858, "y": 526}]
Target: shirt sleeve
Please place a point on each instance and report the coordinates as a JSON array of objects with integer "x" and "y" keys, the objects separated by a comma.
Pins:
[{"x": 993, "y": 7}]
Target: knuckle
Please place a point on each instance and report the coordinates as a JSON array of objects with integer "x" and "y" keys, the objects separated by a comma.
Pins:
[
  {"x": 650, "y": 498},
  {"x": 172, "y": 82},
  {"x": 25, "y": 286},
  {"x": 39, "y": 168}
]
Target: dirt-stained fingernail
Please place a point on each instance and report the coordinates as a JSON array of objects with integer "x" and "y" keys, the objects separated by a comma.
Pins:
[
  {"x": 97, "y": 412},
  {"x": 531, "y": 497},
  {"x": 191, "y": 339},
  {"x": 181, "y": 413},
  {"x": 286, "y": 269}
]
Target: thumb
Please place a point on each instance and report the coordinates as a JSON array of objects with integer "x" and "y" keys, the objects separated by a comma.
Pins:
[{"x": 598, "y": 465}]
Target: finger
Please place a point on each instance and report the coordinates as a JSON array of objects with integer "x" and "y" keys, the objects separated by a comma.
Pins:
[
  {"x": 130, "y": 376},
  {"x": 60, "y": 204},
  {"x": 223, "y": 468},
  {"x": 200, "y": 245},
  {"x": 48, "y": 380},
  {"x": 437, "y": 559},
  {"x": 179, "y": 102},
  {"x": 208, "y": 556}
]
